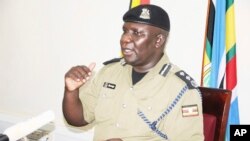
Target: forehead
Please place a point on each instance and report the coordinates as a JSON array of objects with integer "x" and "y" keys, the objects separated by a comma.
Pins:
[{"x": 140, "y": 26}]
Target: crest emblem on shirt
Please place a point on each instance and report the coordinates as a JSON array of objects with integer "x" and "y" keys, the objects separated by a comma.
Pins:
[{"x": 145, "y": 13}]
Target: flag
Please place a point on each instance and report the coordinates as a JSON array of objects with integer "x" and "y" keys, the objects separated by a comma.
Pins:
[
  {"x": 208, "y": 42},
  {"x": 231, "y": 67},
  {"x": 219, "y": 69},
  {"x": 134, "y": 3}
]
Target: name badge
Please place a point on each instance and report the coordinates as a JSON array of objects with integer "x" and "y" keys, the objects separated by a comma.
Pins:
[{"x": 109, "y": 85}]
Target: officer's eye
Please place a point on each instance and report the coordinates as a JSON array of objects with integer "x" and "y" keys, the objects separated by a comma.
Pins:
[
  {"x": 124, "y": 31},
  {"x": 138, "y": 33}
]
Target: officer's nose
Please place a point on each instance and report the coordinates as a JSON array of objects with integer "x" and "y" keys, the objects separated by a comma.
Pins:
[{"x": 126, "y": 38}]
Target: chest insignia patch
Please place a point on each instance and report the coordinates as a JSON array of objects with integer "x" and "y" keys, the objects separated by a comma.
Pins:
[
  {"x": 109, "y": 85},
  {"x": 190, "y": 110}
]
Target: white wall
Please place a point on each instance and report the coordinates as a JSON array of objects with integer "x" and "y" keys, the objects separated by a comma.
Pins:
[{"x": 41, "y": 39}]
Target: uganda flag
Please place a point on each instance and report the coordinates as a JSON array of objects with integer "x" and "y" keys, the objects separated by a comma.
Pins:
[
  {"x": 134, "y": 3},
  {"x": 219, "y": 68}
]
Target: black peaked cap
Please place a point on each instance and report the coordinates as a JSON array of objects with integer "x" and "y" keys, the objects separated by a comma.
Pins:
[{"x": 148, "y": 14}]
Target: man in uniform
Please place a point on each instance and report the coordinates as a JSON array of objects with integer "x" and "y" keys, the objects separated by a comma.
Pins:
[{"x": 141, "y": 96}]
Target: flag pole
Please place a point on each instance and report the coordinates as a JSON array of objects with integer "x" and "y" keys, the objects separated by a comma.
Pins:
[{"x": 204, "y": 44}]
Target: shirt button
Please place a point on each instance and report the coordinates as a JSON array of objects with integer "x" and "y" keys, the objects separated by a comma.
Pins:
[
  {"x": 104, "y": 95},
  {"x": 131, "y": 88},
  {"x": 153, "y": 133},
  {"x": 124, "y": 105},
  {"x": 117, "y": 125},
  {"x": 149, "y": 108}
]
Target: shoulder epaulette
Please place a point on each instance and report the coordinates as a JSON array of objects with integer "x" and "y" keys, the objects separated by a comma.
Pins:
[
  {"x": 187, "y": 79},
  {"x": 112, "y": 61}
]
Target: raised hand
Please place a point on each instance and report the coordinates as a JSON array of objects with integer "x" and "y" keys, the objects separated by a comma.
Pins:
[{"x": 77, "y": 76}]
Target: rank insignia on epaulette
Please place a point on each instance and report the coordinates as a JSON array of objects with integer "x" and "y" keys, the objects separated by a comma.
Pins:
[
  {"x": 123, "y": 62},
  {"x": 187, "y": 79}
]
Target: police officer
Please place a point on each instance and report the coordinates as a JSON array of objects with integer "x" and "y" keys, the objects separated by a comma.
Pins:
[{"x": 141, "y": 96}]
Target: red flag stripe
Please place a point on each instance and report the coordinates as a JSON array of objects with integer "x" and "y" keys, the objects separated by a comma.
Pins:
[
  {"x": 145, "y": 1},
  {"x": 231, "y": 74}
]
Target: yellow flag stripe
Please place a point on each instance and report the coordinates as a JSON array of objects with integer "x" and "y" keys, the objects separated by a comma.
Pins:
[
  {"x": 230, "y": 30},
  {"x": 135, "y": 3}
]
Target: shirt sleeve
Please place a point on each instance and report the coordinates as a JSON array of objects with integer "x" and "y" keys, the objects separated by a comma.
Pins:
[
  {"x": 189, "y": 118},
  {"x": 89, "y": 95}
]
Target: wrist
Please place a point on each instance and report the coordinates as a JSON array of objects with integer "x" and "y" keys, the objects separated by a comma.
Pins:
[{"x": 68, "y": 91}]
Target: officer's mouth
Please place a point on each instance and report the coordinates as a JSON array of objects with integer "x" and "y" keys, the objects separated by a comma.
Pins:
[{"x": 127, "y": 52}]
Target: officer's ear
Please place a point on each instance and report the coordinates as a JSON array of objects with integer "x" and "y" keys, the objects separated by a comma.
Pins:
[{"x": 160, "y": 41}]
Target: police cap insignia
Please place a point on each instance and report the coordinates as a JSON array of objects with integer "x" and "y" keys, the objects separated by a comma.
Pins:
[
  {"x": 187, "y": 79},
  {"x": 145, "y": 14},
  {"x": 148, "y": 14}
]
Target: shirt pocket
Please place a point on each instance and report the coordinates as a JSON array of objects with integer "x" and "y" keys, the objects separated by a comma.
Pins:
[{"x": 106, "y": 104}]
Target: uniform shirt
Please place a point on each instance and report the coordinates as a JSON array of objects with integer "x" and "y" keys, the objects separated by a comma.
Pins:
[{"x": 163, "y": 105}]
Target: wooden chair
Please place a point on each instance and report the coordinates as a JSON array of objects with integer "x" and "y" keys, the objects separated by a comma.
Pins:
[{"x": 216, "y": 104}]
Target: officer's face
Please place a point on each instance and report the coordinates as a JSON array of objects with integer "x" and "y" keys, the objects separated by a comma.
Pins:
[{"x": 138, "y": 44}]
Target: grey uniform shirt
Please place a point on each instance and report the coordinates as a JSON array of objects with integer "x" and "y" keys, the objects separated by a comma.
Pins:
[{"x": 164, "y": 105}]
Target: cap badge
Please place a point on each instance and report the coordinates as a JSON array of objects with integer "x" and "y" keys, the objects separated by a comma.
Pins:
[{"x": 145, "y": 14}]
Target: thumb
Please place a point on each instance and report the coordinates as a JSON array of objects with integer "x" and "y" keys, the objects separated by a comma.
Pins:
[{"x": 92, "y": 66}]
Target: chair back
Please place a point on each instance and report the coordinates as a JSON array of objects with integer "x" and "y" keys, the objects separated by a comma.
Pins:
[{"x": 216, "y": 103}]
